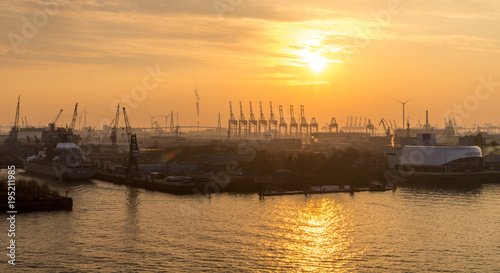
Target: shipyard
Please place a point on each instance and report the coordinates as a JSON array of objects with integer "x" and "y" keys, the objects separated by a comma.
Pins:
[{"x": 254, "y": 154}]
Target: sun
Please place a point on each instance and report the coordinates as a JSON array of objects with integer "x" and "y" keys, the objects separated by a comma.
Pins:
[{"x": 317, "y": 63}]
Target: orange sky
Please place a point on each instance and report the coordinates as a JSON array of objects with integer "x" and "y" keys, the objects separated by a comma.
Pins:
[{"x": 96, "y": 52}]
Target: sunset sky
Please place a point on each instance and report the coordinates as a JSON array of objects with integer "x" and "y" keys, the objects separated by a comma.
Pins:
[{"x": 373, "y": 51}]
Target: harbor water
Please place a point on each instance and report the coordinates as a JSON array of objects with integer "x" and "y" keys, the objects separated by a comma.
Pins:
[{"x": 115, "y": 228}]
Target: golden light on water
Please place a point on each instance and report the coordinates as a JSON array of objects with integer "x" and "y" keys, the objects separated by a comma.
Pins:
[{"x": 320, "y": 237}]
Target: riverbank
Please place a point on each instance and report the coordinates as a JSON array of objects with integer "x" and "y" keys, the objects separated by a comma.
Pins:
[{"x": 29, "y": 196}]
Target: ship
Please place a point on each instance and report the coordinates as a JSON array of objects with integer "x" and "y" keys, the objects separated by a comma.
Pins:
[{"x": 63, "y": 162}]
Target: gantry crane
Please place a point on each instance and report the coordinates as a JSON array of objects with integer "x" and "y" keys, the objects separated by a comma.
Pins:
[
  {"x": 252, "y": 122},
  {"x": 283, "y": 123},
  {"x": 133, "y": 167},
  {"x": 232, "y": 123},
  {"x": 273, "y": 123},
  {"x": 293, "y": 123},
  {"x": 333, "y": 123},
  {"x": 369, "y": 127},
  {"x": 303, "y": 122},
  {"x": 242, "y": 123},
  {"x": 262, "y": 120},
  {"x": 313, "y": 126},
  {"x": 115, "y": 126}
]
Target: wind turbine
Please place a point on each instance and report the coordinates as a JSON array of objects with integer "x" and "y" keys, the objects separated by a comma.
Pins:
[{"x": 403, "y": 103}]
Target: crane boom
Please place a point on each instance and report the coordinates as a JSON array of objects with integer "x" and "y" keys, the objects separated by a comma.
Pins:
[
  {"x": 127, "y": 124},
  {"x": 57, "y": 117},
  {"x": 73, "y": 120},
  {"x": 113, "y": 130},
  {"x": 107, "y": 131}
]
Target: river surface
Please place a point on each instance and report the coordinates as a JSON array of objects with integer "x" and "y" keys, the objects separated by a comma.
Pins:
[{"x": 115, "y": 228}]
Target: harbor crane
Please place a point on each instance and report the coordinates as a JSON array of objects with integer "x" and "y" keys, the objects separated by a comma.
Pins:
[
  {"x": 242, "y": 122},
  {"x": 333, "y": 123},
  {"x": 283, "y": 124},
  {"x": 152, "y": 119},
  {"x": 107, "y": 131},
  {"x": 293, "y": 123},
  {"x": 387, "y": 128},
  {"x": 273, "y": 123},
  {"x": 53, "y": 123},
  {"x": 71, "y": 128},
  {"x": 15, "y": 128},
  {"x": 115, "y": 126},
  {"x": 90, "y": 133},
  {"x": 158, "y": 129},
  {"x": 252, "y": 122},
  {"x": 303, "y": 122},
  {"x": 369, "y": 127},
  {"x": 232, "y": 123},
  {"x": 313, "y": 126},
  {"x": 133, "y": 167},
  {"x": 262, "y": 120}
]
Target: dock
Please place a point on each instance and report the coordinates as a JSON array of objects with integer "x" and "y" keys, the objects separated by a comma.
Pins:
[
  {"x": 152, "y": 184},
  {"x": 336, "y": 190}
]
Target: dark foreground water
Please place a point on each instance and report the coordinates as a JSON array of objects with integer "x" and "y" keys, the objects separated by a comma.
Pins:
[{"x": 120, "y": 229}]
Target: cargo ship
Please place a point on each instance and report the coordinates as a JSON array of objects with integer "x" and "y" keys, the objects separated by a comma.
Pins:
[{"x": 63, "y": 162}]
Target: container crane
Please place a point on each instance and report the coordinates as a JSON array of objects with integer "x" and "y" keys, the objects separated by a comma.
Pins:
[
  {"x": 242, "y": 123},
  {"x": 313, "y": 126},
  {"x": 303, "y": 122},
  {"x": 273, "y": 123},
  {"x": 262, "y": 120},
  {"x": 133, "y": 167},
  {"x": 370, "y": 127},
  {"x": 252, "y": 122},
  {"x": 115, "y": 126},
  {"x": 232, "y": 123},
  {"x": 283, "y": 123},
  {"x": 333, "y": 123},
  {"x": 293, "y": 122}
]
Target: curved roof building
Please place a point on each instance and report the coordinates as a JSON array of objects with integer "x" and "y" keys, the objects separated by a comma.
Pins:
[{"x": 449, "y": 159}]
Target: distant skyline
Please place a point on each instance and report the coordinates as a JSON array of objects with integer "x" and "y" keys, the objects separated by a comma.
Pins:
[{"x": 337, "y": 58}]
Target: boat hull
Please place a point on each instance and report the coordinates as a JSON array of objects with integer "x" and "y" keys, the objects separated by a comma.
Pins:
[{"x": 61, "y": 172}]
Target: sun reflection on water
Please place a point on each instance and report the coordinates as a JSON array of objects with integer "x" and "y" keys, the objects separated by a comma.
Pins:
[{"x": 317, "y": 236}]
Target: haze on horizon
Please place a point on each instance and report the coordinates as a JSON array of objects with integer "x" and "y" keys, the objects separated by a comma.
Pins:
[{"x": 336, "y": 58}]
